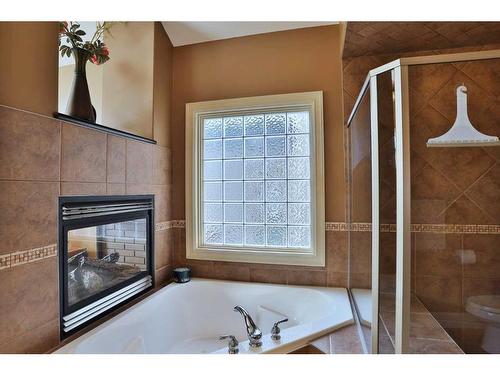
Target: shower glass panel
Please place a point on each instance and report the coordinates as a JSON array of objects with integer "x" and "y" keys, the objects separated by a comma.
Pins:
[
  {"x": 455, "y": 203},
  {"x": 424, "y": 223},
  {"x": 386, "y": 213},
  {"x": 360, "y": 215},
  {"x": 371, "y": 148}
]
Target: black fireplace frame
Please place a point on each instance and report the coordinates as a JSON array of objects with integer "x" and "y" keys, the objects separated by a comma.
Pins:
[{"x": 64, "y": 227}]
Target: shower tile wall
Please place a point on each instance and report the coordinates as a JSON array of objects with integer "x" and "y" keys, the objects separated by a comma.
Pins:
[
  {"x": 457, "y": 187},
  {"x": 40, "y": 159}
]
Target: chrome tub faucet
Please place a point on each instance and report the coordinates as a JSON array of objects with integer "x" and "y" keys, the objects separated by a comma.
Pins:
[
  {"x": 232, "y": 345},
  {"x": 253, "y": 332},
  {"x": 275, "y": 331}
]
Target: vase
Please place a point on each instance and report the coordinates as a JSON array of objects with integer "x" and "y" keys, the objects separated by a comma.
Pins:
[{"x": 79, "y": 102}]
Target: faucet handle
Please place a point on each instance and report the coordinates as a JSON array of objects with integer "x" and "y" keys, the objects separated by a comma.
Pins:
[
  {"x": 232, "y": 344},
  {"x": 275, "y": 331}
]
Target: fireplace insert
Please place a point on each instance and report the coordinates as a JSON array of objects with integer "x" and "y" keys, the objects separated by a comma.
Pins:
[{"x": 105, "y": 255}]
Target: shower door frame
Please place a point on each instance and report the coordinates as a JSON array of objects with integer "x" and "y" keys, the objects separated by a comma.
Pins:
[{"x": 399, "y": 70}]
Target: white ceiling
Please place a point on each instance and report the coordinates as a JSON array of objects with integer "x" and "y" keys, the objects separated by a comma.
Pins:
[{"x": 182, "y": 33}]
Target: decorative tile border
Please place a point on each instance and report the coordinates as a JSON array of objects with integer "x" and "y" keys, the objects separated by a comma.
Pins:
[
  {"x": 415, "y": 228},
  {"x": 4, "y": 261},
  {"x": 456, "y": 228},
  {"x": 170, "y": 224},
  {"x": 17, "y": 258},
  {"x": 179, "y": 223},
  {"x": 359, "y": 227},
  {"x": 336, "y": 227},
  {"x": 163, "y": 226},
  {"x": 420, "y": 228}
]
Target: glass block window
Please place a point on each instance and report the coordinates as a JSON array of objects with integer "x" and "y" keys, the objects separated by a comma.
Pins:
[{"x": 256, "y": 180}]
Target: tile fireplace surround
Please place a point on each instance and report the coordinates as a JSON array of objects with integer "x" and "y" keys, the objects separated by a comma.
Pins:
[{"x": 40, "y": 159}]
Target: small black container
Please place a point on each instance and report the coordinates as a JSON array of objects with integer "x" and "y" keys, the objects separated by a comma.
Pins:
[{"x": 182, "y": 275}]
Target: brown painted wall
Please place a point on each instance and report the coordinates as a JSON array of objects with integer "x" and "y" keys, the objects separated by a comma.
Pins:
[
  {"x": 274, "y": 63},
  {"x": 28, "y": 67},
  {"x": 162, "y": 85}
]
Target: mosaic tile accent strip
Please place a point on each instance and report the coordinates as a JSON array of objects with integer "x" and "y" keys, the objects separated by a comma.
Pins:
[
  {"x": 179, "y": 223},
  {"x": 17, "y": 258},
  {"x": 387, "y": 227},
  {"x": 336, "y": 227},
  {"x": 360, "y": 227},
  {"x": 415, "y": 228},
  {"x": 424, "y": 228},
  {"x": 4, "y": 261},
  {"x": 20, "y": 257},
  {"x": 456, "y": 228},
  {"x": 164, "y": 225}
]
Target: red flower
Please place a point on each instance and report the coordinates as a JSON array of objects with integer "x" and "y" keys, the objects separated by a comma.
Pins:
[{"x": 102, "y": 52}]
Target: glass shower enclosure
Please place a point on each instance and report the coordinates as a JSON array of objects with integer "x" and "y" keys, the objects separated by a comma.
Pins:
[{"x": 424, "y": 221}]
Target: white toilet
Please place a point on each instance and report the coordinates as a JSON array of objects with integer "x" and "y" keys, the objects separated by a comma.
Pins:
[{"x": 487, "y": 308}]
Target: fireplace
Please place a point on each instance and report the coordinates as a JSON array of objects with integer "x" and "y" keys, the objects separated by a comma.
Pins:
[{"x": 105, "y": 255}]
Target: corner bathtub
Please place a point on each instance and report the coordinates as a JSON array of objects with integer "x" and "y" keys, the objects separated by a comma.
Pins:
[{"x": 189, "y": 318}]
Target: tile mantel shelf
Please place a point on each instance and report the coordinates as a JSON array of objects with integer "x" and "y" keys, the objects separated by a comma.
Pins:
[{"x": 106, "y": 129}]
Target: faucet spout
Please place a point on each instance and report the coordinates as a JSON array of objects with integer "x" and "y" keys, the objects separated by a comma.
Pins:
[{"x": 253, "y": 332}]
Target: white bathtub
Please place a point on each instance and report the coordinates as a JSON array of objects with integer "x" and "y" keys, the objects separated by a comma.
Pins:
[{"x": 188, "y": 318}]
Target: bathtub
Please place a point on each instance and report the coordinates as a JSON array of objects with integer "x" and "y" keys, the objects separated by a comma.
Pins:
[{"x": 189, "y": 318}]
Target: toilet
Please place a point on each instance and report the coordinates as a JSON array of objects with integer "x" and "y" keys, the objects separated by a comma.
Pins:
[{"x": 487, "y": 308}]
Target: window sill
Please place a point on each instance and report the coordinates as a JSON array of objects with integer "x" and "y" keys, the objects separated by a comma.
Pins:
[{"x": 264, "y": 256}]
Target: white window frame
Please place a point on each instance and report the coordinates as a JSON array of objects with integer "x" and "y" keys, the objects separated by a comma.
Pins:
[{"x": 195, "y": 112}]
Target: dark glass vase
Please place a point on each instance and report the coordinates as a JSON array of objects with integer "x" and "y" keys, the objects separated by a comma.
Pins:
[{"x": 79, "y": 103}]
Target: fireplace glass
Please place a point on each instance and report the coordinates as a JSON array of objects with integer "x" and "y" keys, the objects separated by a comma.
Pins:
[
  {"x": 106, "y": 254},
  {"x": 102, "y": 256}
]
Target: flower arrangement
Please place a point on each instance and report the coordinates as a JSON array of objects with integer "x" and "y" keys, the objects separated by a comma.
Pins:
[{"x": 94, "y": 49}]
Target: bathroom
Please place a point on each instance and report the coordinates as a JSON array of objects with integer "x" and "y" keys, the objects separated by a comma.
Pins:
[{"x": 250, "y": 187}]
